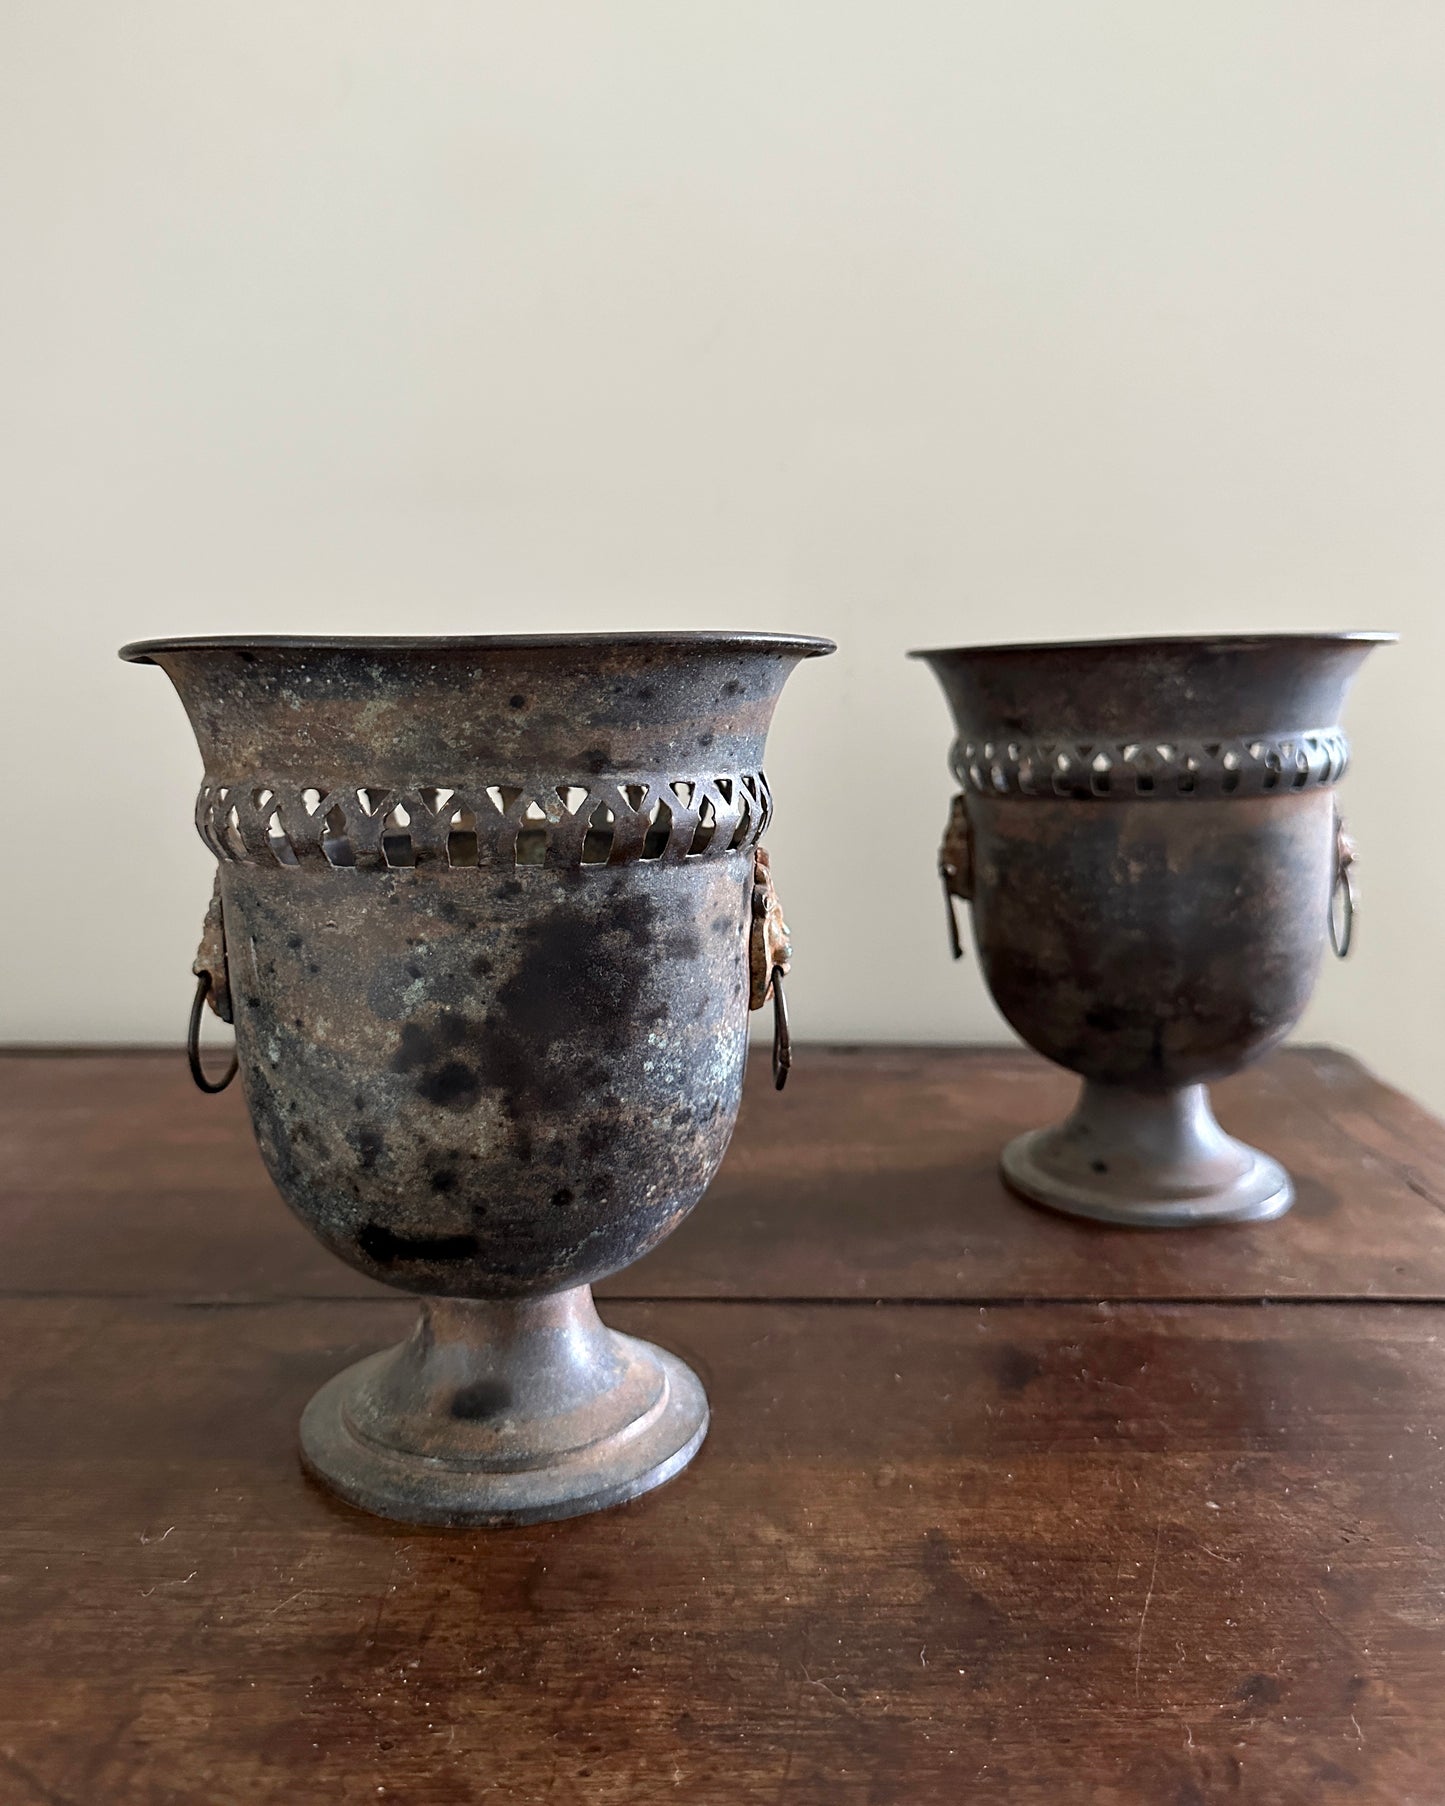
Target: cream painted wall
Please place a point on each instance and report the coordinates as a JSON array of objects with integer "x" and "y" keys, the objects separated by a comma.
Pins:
[{"x": 904, "y": 323}]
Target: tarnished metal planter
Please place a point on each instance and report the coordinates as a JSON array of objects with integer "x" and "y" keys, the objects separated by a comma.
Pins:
[
  {"x": 1147, "y": 833},
  {"x": 490, "y": 914}
]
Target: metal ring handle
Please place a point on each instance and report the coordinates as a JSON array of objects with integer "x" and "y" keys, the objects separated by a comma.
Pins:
[
  {"x": 193, "y": 1042},
  {"x": 1343, "y": 932},
  {"x": 782, "y": 1037},
  {"x": 955, "y": 938},
  {"x": 955, "y": 868}
]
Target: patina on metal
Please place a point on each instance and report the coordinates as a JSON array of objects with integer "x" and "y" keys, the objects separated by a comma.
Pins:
[
  {"x": 490, "y": 915},
  {"x": 1148, "y": 837}
]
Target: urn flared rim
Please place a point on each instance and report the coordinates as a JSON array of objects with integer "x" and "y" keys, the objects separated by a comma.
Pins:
[
  {"x": 799, "y": 645},
  {"x": 1215, "y": 642}
]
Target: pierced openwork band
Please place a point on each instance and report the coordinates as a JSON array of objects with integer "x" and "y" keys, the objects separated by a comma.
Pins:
[
  {"x": 541, "y": 822},
  {"x": 1154, "y": 768}
]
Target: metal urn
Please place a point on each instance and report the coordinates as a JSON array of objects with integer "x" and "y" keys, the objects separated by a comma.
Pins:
[
  {"x": 1148, "y": 835},
  {"x": 489, "y": 916}
]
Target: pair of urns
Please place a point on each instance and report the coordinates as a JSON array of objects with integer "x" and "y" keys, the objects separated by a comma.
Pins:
[{"x": 490, "y": 914}]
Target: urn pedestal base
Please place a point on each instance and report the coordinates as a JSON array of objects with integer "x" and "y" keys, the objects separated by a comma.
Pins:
[
  {"x": 505, "y": 1413},
  {"x": 1157, "y": 1160}
]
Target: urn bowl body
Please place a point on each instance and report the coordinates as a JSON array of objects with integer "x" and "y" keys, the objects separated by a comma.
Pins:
[
  {"x": 1152, "y": 946},
  {"x": 490, "y": 1083}
]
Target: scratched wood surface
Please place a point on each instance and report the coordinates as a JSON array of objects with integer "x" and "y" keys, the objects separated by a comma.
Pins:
[
  {"x": 873, "y": 1176},
  {"x": 1138, "y": 1554},
  {"x": 979, "y": 1540}
]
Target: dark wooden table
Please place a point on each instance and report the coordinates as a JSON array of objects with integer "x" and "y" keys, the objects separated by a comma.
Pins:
[{"x": 995, "y": 1506}]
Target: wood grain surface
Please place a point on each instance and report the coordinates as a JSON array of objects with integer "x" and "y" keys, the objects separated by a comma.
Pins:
[
  {"x": 1027, "y": 1554},
  {"x": 1067, "y": 1542}
]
